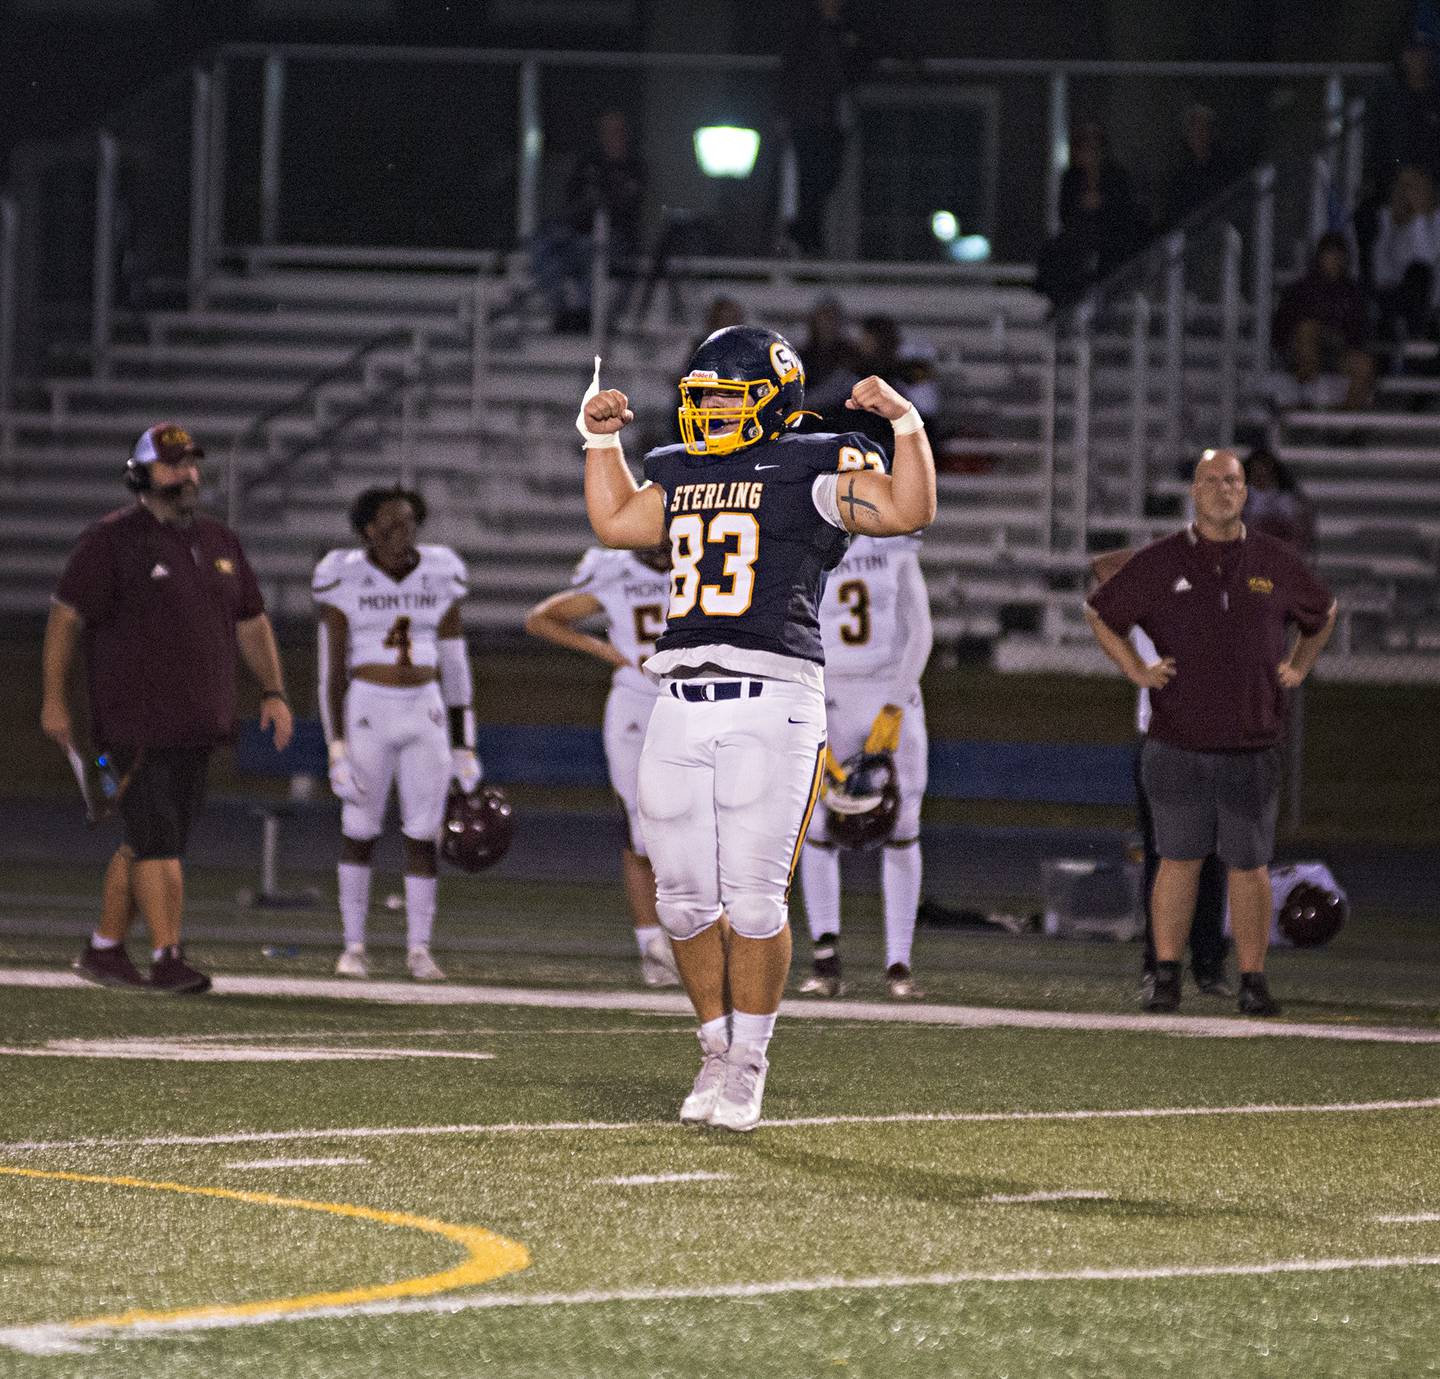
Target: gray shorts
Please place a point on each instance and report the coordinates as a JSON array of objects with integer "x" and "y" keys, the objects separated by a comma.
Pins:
[{"x": 1220, "y": 802}]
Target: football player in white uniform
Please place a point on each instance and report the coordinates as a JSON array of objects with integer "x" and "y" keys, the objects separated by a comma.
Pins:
[
  {"x": 875, "y": 622},
  {"x": 630, "y": 590},
  {"x": 755, "y": 515},
  {"x": 395, "y": 700}
]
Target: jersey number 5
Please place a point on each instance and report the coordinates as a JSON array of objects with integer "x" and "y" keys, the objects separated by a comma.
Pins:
[{"x": 688, "y": 538}]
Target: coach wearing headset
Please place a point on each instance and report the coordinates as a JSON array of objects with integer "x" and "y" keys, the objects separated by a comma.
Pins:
[{"x": 161, "y": 597}]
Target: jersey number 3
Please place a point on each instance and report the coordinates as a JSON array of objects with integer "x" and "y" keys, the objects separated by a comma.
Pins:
[{"x": 688, "y": 538}]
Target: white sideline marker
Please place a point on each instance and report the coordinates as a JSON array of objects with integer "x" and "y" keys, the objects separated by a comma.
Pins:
[
  {"x": 660, "y": 1003},
  {"x": 295, "y": 1163},
  {"x": 650, "y": 1179}
]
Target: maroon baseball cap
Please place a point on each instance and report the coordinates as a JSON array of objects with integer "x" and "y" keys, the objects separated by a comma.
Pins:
[{"x": 166, "y": 441}]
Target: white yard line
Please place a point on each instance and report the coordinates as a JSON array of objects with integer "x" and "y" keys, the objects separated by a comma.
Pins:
[
  {"x": 806, "y": 1122},
  {"x": 1418, "y": 1218},
  {"x": 971, "y": 1017},
  {"x": 1006, "y": 1199},
  {"x": 295, "y": 1163},
  {"x": 183, "y": 1051},
  {"x": 54, "y": 1339},
  {"x": 650, "y": 1179}
]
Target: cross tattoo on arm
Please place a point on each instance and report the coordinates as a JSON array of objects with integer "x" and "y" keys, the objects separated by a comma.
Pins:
[{"x": 852, "y": 503}]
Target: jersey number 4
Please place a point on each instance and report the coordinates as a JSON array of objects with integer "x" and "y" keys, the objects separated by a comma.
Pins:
[
  {"x": 398, "y": 637},
  {"x": 689, "y": 536}
]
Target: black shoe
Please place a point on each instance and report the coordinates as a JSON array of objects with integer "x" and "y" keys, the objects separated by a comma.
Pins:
[
  {"x": 1165, "y": 993},
  {"x": 171, "y": 974},
  {"x": 1255, "y": 997},
  {"x": 825, "y": 979},
  {"x": 107, "y": 967},
  {"x": 1214, "y": 984}
]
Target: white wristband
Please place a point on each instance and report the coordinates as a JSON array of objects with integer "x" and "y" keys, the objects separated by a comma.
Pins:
[
  {"x": 594, "y": 440},
  {"x": 907, "y": 423}
]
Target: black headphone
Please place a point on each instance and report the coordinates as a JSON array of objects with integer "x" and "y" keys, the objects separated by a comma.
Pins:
[{"x": 137, "y": 476}]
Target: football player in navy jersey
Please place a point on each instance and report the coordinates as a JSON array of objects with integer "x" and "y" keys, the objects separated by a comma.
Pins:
[{"x": 755, "y": 515}]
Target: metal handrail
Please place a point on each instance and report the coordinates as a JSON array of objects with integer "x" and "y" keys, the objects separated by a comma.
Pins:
[{"x": 303, "y": 396}]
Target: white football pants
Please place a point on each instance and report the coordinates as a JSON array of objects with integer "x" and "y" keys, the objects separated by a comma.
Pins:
[
  {"x": 399, "y": 737},
  {"x": 727, "y": 787}
]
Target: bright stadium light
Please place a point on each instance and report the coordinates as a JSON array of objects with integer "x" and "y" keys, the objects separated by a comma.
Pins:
[
  {"x": 944, "y": 226},
  {"x": 724, "y": 150},
  {"x": 970, "y": 249}
]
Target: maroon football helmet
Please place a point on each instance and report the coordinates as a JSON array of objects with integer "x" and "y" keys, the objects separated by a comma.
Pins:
[
  {"x": 860, "y": 812},
  {"x": 477, "y": 829},
  {"x": 1311, "y": 915}
]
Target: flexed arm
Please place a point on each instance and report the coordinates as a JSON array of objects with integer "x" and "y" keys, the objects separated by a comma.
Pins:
[
  {"x": 876, "y": 504},
  {"x": 623, "y": 513}
]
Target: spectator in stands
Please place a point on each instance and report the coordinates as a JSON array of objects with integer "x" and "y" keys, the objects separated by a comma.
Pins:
[
  {"x": 1276, "y": 504},
  {"x": 1203, "y": 170},
  {"x": 723, "y": 311},
  {"x": 1217, "y": 600},
  {"x": 1321, "y": 325},
  {"x": 609, "y": 177},
  {"x": 163, "y": 599},
  {"x": 1404, "y": 256},
  {"x": 832, "y": 362},
  {"x": 907, "y": 366},
  {"x": 819, "y": 65},
  {"x": 1404, "y": 117},
  {"x": 1101, "y": 224}
]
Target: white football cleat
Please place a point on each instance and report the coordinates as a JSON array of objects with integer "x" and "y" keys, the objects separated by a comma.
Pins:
[
  {"x": 353, "y": 963},
  {"x": 698, "y": 1107},
  {"x": 422, "y": 966},
  {"x": 739, "y": 1105},
  {"x": 657, "y": 963},
  {"x": 816, "y": 985}
]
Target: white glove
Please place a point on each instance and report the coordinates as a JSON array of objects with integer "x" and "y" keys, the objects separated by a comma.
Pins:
[
  {"x": 594, "y": 440},
  {"x": 342, "y": 775},
  {"x": 465, "y": 768}
]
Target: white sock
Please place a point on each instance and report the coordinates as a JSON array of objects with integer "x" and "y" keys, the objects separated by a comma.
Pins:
[
  {"x": 645, "y": 935},
  {"x": 900, "y": 885},
  {"x": 102, "y": 943},
  {"x": 820, "y": 884},
  {"x": 715, "y": 1034},
  {"x": 354, "y": 900},
  {"x": 751, "y": 1029},
  {"x": 419, "y": 910}
]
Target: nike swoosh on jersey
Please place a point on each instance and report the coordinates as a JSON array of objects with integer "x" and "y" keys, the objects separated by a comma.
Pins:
[{"x": 759, "y": 467}]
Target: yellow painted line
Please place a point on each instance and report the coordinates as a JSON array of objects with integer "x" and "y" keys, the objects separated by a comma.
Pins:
[{"x": 487, "y": 1255}]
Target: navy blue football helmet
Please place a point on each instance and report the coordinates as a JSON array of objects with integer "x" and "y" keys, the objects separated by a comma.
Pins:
[{"x": 745, "y": 384}]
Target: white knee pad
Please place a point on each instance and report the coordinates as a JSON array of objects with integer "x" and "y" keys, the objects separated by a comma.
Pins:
[
  {"x": 682, "y": 921},
  {"x": 757, "y": 916}
]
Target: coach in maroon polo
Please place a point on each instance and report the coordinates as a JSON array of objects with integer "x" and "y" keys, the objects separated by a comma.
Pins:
[
  {"x": 161, "y": 597},
  {"x": 1217, "y": 601}
]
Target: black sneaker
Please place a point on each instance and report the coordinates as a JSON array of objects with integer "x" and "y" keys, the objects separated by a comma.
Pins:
[
  {"x": 107, "y": 967},
  {"x": 1214, "y": 984},
  {"x": 171, "y": 974},
  {"x": 1255, "y": 997},
  {"x": 1164, "y": 994}
]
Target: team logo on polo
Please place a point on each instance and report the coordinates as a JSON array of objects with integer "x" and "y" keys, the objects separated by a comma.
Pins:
[
  {"x": 1260, "y": 585},
  {"x": 224, "y": 565}
]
